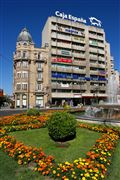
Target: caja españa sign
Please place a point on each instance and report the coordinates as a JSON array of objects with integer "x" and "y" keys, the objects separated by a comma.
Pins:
[{"x": 92, "y": 20}]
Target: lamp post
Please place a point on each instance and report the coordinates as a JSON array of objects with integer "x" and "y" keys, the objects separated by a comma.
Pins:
[{"x": 96, "y": 86}]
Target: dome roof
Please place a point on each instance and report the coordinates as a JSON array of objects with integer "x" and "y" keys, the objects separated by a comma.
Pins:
[{"x": 24, "y": 36}]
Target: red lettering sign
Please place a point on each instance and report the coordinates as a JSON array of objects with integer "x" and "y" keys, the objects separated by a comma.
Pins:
[{"x": 62, "y": 60}]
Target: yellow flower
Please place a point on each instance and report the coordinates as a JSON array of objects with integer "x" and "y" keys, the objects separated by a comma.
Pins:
[
  {"x": 75, "y": 161},
  {"x": 87, "y": 175},
  {"x": 102, "y": 176},
  {"x": 96, "y": 175},
  {"x": 67, "y": 163},
  {"x": 54, "y": 172},
  {"x": 91, "y": 170},
  {"x": 83, "y": 178}
]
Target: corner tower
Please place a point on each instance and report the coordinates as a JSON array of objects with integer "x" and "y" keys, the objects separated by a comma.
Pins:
[{"x": 30, "y": 64}]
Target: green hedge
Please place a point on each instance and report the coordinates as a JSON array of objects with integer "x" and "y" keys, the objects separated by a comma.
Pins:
[
  {"x": 33, "y": 112},
  {"x": 62, "y": 126}
]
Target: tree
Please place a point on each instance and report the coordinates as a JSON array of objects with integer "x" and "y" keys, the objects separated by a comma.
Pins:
[{"x": 5, "y": 99}]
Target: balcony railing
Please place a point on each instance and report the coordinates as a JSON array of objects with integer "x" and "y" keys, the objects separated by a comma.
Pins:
[
  {"x": 78, "y": 39},
  {"x": 78, "y": 48},
  {"x": 16, "y": 57},
  {"x": 79, "y": 71},
  {"x": 78, "y": 55},
  {"x": 80, "y": 63},
  {"x": 95, "y": 57},
  {"x": 62, "y": 52},
  {"x": 93, "y": 50},
  {"x": 93, "y": 72},
  {"x": 101, "y": 58}
]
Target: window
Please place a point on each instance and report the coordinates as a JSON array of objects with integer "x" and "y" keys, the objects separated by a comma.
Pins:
[
  {"x": 24, "y": 74},
  {"x": 39, "y": 65},
  {"x": 18, "y": 86},
  {"x": 18, "y": 64},
  {"x": 39, "y": 75},
  {"x": 39, "y": 55},
  {"x": 18, "y": 53},
  {"x": 18, "y": 74},
  {"x": 39, "y": 86},
  {"x": 24, "y": 54},
  {"x": 24, "y": 64},
  {"x": 24, "y": 86}
]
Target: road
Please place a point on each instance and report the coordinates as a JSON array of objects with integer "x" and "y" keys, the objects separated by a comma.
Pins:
[{"x": 8, "y": 112}]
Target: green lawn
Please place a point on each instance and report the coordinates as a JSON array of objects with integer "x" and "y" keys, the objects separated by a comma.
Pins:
[
  {"x": 77, "y": 147},
  {"x": 114, "y": 172},
  {"x": 10, "y": 170}
]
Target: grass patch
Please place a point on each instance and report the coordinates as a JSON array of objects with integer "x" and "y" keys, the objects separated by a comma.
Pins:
[
  {"x": 10, "y": 170},
  {"x": 114, "y": 172},
  {"x": 77, "y": 147}
]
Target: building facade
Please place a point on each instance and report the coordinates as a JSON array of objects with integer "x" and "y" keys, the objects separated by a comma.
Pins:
[
  {"x": 1, "y": 92},
  {"x": 30, "y": 72},
  {"x": 79, "y": 61}
]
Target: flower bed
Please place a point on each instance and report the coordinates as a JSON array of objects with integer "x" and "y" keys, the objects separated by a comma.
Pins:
[{"x": 94, "y": 166}]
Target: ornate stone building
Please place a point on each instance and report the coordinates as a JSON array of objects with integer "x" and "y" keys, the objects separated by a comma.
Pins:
[{"x": 30, "y": 72}]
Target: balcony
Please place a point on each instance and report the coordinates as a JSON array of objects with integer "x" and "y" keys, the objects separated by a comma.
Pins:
[
  {"x": 79, "y": 87},
  {"x": 101, "y": 59},
  {"x": 61, "y": 52},
  {"x": 101, "y": 44},
  {"x": 79, "y": 63},
  {"x": 94, "y": 57},
  {"x": 20, "y": 57},
  {"x": 53, "y": 27},
  {"x": 78, "y": 48},
  {"x": 101, "y": 52},
  {"x": 95, "y": 36},
  {"x": 62, "y": 95},
  {"x": 63, "y": 45},
  {"x": 21, "y": 90},
  {"x": 61, "y": 69},
  {"x": 99, "y": 88},
  {"x": 79, "y": 55},
  {"x": 39, "y": 79},
  {"x": 78, "y": 39},
  {"x": 92, "y": 72},
  {"x": 94, "y": 64},
  {"x": 94, "y": 50},
  {"x": 103, "y": 88},
  {"x": 63, "y": 37},
  {"x": 39, "y": 69},
  {"x": 79, "y": 71},
  {"x": 101, "y": 66},
  {"x": 40, "y": 91},
  {"x": 61, "y": 86}
]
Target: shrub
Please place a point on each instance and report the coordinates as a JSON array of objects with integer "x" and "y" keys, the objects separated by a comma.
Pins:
[
  {"x": 33, "y": 112},
  {"x": 62, "y": 126}
]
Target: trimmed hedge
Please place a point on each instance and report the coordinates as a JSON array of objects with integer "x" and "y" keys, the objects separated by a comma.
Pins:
[
  {"x": 33, "y": 112},
  {"x": 62, "y": 126}
]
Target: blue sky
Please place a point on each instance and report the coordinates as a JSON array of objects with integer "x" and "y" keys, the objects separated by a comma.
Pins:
[{"x": 17, "y": 14}]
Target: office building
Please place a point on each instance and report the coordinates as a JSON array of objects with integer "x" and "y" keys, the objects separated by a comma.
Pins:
[{"x": 79, "y": 61}]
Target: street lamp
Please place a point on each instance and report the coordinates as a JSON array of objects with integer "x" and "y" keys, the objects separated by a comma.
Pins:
[{"x": 96, "y": 87}]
